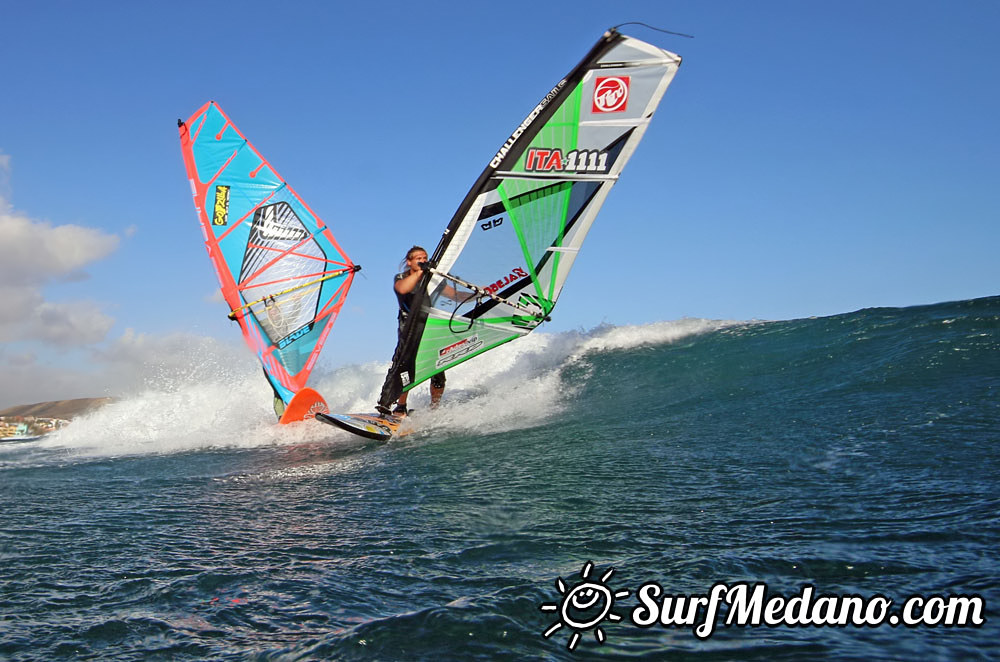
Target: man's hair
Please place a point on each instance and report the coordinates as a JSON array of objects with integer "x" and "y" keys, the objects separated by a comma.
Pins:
[{"x": 409, "y": 253}]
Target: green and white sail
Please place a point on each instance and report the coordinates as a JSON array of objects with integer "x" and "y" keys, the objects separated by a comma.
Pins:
[{"x": 505, "y": 255}]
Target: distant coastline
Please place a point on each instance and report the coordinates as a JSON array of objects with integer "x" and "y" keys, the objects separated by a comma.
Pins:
[{"x": 65, "y": 409}]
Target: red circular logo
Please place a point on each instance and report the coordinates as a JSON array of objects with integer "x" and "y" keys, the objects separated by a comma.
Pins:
[{"x": 610, "y": 94}]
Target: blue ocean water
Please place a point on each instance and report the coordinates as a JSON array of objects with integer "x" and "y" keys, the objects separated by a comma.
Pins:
[{"x": 857, "y": 454}]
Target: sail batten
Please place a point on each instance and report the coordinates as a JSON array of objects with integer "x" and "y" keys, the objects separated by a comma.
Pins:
[{"x": 516, "y": 234}]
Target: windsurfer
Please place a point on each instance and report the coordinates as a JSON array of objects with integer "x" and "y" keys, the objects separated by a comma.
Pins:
[{"x": 405, "y": 282}]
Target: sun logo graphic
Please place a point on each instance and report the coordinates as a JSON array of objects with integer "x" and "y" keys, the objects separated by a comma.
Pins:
[{"x": 584, "y": 606}]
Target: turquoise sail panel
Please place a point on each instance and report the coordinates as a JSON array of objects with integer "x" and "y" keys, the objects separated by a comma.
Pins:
[{"x": 282, "y": 272}]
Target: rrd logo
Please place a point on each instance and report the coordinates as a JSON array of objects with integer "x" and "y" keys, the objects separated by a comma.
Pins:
[{"x": 610, "y": 94}]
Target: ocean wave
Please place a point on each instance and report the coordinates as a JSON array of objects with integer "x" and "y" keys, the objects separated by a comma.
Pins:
[{"x": 213, "y": 402}]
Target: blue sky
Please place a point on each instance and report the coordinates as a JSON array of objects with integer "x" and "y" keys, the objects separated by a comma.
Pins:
[{"x": 810, "y": 158}]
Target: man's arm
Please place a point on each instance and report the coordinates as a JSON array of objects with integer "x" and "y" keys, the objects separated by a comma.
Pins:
[{"x": 407, "y": 283}]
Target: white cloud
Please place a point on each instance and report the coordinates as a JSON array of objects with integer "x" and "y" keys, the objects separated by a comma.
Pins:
[
  {"x": 34, "y": 254},
  {"x": 27, "y": 380},
  {"x": 70, "y": 324},
  {"x": 26, "y": 316},
  {"x": 25, "y": 359},
  {"x": 17, "y": 303}
]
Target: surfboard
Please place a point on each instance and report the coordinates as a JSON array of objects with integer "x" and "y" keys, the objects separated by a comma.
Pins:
[{"x": 372, "y": 426}]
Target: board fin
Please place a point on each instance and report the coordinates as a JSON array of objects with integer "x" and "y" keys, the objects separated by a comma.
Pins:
[{"x": 306, "y": 404}]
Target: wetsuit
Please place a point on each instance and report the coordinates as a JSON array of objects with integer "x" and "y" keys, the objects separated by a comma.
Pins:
[{"x": 405, "y": 303}]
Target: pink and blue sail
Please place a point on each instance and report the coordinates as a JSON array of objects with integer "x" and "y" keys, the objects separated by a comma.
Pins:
[{"x": 282, "y": 273}]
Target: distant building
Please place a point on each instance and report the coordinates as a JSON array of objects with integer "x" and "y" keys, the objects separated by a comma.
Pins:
[{"x": 26, "y": 426}]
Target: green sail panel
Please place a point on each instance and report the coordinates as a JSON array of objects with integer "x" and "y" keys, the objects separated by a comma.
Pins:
[
  {"x": 443, "y": 346},
  {"x": 504, "y": 257}
]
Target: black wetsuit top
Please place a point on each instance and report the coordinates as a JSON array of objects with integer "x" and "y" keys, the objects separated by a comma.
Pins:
[{"x": 405, "y": 301}]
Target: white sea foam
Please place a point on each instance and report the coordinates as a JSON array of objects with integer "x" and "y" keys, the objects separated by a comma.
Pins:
[{"x": 516, "y": 386}]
